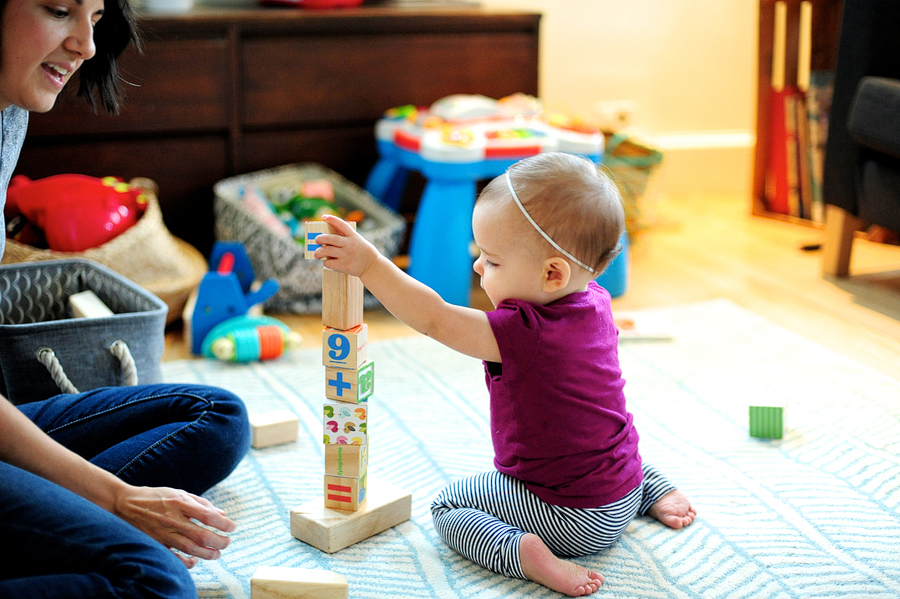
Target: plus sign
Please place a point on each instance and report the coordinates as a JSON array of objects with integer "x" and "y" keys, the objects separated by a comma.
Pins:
[{"x": 340, "y": 384}]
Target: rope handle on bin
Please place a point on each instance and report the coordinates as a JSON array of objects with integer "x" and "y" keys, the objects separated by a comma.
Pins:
[{"x": 119, "y": 349}]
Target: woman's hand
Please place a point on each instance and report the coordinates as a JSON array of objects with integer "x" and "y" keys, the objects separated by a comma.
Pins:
[
  {"x": 167, "y": 515},
  {"x": 348, "y": 251},
  {"x": 170, "y": 516}
]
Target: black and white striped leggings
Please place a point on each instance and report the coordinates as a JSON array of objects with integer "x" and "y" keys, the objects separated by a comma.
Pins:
[{"x": 483, "y": 518}]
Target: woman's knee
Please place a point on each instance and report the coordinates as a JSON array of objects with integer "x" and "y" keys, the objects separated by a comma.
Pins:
[
  {"x": 227, "y": 429},
  {"x": 207, "y": 448}
]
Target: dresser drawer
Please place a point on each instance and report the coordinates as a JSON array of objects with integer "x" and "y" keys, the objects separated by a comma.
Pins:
[
  {"x": 184, "y": 168},
  {"x": 174, "y": 86},
  {"x": 352, "y": 79}
]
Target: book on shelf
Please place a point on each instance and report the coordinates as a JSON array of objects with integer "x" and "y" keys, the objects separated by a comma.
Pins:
[
  {"x": 777, "y": 180},
  {"x": 818, "y": 106},
  {"x": 798, "y": 125},
  {"x": 792, "y": 151}
]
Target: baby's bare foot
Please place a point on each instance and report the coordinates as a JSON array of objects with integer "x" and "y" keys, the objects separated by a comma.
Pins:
[
  {"x": 673, "y": 509},
  {"x": 540, "y": 565}
]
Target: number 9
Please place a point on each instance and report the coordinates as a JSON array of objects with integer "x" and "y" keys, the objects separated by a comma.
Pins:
[{"x": 340, "y": 347}]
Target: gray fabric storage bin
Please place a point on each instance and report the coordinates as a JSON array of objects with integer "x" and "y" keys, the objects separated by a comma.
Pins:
[{"x": 35, "y": 313}]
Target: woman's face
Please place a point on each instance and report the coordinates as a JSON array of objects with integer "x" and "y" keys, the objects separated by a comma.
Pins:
[{"x": 43, "y": 43}]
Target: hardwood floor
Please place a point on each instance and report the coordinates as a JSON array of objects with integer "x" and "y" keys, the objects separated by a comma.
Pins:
[{"x": 703, "y": 247}]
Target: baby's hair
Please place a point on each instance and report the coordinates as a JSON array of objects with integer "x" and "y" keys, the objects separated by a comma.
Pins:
[{"x": 571, "y": 200}]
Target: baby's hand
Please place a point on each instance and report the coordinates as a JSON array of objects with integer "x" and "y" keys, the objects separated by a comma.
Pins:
[{"x": 348, "y": 251}]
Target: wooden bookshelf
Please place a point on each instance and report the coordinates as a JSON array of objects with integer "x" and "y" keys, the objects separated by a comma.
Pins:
[{"x": 826, "y": 18}]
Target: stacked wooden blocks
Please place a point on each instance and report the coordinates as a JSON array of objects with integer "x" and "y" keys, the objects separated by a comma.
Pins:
[{"x": 349, "y": 385}]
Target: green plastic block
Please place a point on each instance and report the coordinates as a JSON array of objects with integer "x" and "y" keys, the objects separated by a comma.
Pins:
[{"x": 767, "y": 422}]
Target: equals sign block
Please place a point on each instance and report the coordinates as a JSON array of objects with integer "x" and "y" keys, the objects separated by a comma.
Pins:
[
  {"x": 313, "y": 229},
  {"x": 343, "y": 493}
]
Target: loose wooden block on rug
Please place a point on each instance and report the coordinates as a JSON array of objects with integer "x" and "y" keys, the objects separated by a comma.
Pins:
[{"x": 271, "y": 582}]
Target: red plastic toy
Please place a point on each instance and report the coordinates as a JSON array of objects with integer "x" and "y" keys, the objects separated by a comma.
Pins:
[{"x": 76, "y": 212}]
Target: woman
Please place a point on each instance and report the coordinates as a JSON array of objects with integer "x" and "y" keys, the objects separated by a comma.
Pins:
[{"x": 87, "y": 504}]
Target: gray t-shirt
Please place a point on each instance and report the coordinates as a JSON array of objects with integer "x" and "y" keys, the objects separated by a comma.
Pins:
[{"x": 13, "y": 124}]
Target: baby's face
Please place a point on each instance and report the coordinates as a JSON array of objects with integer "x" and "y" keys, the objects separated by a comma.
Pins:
[{"x": 511, "y": 263}]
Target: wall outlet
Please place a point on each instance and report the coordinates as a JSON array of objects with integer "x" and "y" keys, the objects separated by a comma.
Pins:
[{"x": 614, "y": 115}]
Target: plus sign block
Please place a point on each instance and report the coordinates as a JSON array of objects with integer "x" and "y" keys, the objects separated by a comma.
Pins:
[
  {"x": 350, "y": 386},
  {"x": 345, "y": 349}
]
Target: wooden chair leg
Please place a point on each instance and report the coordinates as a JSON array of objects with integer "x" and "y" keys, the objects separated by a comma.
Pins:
[{"x": 840, "y": 226}]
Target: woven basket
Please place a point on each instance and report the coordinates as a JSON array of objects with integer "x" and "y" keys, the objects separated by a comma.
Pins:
[
  {"x": 630, "y": 164},
  {"x": 279, "y": 256},
  {"x": 146, "y": 253}
]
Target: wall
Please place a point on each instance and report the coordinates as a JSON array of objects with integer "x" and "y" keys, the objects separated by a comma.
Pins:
[{"x": 688, "y": 66}]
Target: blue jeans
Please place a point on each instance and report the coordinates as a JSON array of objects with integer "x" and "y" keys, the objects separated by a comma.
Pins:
[{"x": 60, "y": 545}]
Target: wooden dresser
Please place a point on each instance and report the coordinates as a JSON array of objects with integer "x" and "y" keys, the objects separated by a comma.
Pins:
[{"x": 219, "y": 92}]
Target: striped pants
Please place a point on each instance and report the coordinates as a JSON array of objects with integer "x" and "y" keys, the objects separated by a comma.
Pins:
[{"x": 484, "y": 517}]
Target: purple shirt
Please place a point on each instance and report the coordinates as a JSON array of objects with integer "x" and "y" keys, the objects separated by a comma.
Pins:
[{"x": 558, "y": 417}]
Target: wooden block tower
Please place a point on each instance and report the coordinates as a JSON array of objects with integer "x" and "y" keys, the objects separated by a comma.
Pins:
[{"x": 354, "y": 508}]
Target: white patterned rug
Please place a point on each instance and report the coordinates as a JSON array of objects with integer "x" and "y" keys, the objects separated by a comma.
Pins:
[{"x": 816, "y": 514}]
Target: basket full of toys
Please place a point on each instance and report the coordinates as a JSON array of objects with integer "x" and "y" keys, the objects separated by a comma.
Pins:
[
  {"x": 265, "y": 211},
  {"x": 630, "y": 162}
]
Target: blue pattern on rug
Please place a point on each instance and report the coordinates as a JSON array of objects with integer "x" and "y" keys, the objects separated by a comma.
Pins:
[{"x": 815, "y": 514}]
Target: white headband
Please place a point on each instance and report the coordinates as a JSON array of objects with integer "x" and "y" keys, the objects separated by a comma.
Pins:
[{"x": 541, "y": 231}]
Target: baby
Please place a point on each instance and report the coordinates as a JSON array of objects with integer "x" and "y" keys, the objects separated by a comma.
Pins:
[{"x": 569, "y": 478}]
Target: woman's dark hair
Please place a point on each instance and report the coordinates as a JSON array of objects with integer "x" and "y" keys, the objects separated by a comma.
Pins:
[{"x": 100, "y": 74}]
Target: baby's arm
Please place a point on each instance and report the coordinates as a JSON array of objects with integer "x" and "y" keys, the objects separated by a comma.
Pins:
[{"x": 461, "y": 328}]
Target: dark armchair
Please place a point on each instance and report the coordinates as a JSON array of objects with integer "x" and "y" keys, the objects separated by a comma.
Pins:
[{"x": 861, "y": 179}]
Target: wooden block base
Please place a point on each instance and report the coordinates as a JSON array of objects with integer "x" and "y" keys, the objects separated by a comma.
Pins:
[{"x": 332, "y": 530}]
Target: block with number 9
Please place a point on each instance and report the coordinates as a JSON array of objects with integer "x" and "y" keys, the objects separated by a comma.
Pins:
[{"x": 344, "y": 349}]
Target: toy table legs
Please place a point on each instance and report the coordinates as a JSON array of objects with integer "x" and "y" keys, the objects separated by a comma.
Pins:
[
  {"x": 439, "y": 248},
  {"x": 387, "y": 181}
]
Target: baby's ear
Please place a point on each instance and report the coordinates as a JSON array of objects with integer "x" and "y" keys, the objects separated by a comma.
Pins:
[{"x": 556, "y": 275}]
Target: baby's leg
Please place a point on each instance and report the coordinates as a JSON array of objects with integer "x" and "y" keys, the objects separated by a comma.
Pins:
[
  {"x": 496, "y": 522},
  {"x": 662, "y": 501}
]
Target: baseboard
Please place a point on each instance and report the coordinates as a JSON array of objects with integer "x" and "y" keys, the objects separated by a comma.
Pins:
[{"x": 704, "y": 162}]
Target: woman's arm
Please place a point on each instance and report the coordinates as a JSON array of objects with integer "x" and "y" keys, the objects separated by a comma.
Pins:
[
  {"x": 464, "y": 329},
  {"x": 162, "y": 513}
]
